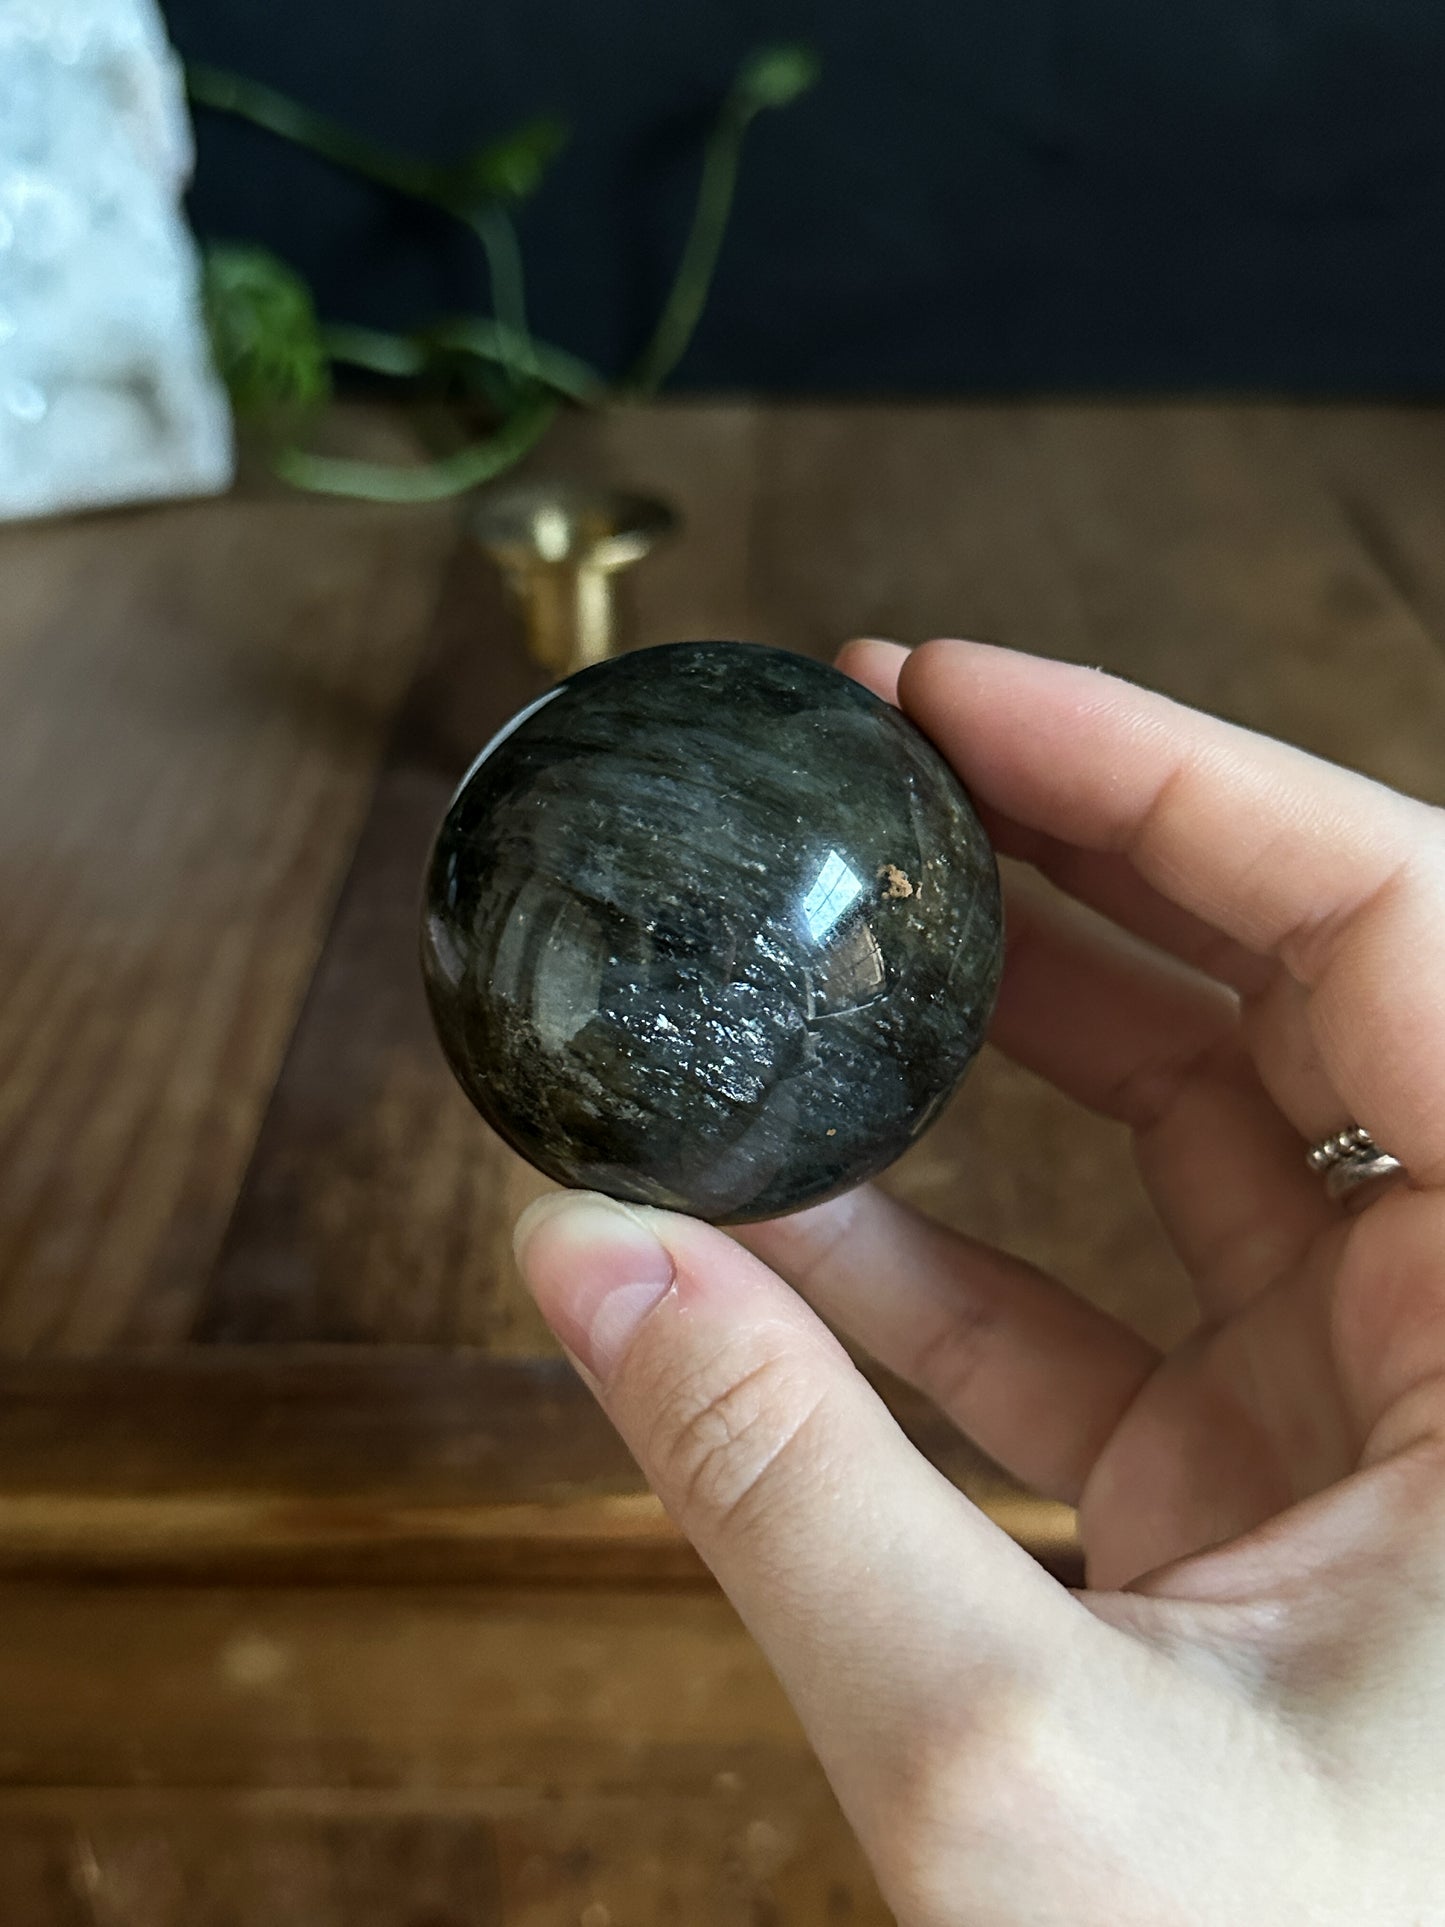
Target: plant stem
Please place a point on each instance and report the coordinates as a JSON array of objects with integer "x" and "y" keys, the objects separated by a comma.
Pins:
[
  {"x": 513, "y": 347},
  {"x": 232, "y": 93},
  {"x": 488, "y": 340},
  {"x": 498, "y": 235},
  {"x": 408, "y": 355},
  {"x": 383, "y": 354},
  {"x": 430, "y": 482},
  {"x": 688, "y": 296}
]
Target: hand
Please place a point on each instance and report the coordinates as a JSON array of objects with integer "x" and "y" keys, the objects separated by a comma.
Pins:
[{"x": 1242, "y": 1722}]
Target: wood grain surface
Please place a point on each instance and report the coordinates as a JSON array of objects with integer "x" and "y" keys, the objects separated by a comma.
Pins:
[
  {"x": 396, "y": 1466},
  {"x": 723, "y": 1858},
  {"x": 223, "y": 1117},
  {"x": 232, "y": 728},
  {"x": 1206, "y": 551},
  {"x": 497, "y": 1757},
  {"x": 324, "y": 1591},
  {"x": 378, "y": 1208},
  {"x": 192, "y": 703},
  {"x": 346, "y": 1686}
]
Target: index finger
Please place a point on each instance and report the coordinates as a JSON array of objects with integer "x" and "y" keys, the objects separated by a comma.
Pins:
[{"x": 1337, "y": 877}]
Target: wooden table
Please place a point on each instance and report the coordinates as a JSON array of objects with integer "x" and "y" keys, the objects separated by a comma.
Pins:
[{"x": 324, "y": 1592}]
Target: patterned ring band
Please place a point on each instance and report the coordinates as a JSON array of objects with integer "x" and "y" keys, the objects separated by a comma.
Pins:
[{"x": 1350, "y": 1158}]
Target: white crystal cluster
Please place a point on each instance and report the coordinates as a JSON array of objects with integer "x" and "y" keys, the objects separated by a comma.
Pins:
[{"x": 106, "y": 388}]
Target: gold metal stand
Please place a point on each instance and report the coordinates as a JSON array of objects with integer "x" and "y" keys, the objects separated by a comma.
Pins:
[{"x": 559, "y": 545}]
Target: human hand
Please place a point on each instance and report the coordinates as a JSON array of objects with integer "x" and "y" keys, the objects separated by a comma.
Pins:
[{"x": 1243, "y": 1719}]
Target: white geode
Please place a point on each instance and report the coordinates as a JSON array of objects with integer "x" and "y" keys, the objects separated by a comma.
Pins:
[{"x": 106, "y": 388}]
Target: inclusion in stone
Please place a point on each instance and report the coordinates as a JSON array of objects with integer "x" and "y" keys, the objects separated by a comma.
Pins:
[{"x": 709, "y": 926}]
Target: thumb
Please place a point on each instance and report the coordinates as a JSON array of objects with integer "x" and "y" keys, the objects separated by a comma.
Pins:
[{"x": 873, "y": 1586}]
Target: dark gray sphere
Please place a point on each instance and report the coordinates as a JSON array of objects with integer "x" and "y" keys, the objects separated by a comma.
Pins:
[{"x": 710, "y": 927}]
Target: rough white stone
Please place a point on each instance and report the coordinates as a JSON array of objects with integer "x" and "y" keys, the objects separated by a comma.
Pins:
[{"x": 106, "y": 389}]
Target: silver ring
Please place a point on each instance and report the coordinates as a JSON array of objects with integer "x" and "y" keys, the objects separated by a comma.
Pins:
[{"x": 1350, "y": 1158}]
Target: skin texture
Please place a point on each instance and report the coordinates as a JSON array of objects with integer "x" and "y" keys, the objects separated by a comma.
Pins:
[{"x": 1234, "y": 949}]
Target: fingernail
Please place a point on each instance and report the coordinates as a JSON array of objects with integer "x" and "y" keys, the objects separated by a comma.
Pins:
[
  {"x": 595, "y": 1269},
  {"x": 875, "y": 642}
]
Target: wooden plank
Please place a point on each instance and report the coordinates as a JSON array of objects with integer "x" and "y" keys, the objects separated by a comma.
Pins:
[
  {"x": 378, "y": 1207},
  {"x": 1207, "y": 550},
  {"x": 1195, "y": 548},
  {"x": 746, "y": 1853},
  {"x": 637, "y": 1758},
  {"x": 1384, "y": 469},
  {"x": 908, "y": 522},
  {"x": 1223, "y": 572},
  {"x": 43, "y": 1874},
  {"x": 1199, "y": 548},
  {"x": 195, "y": 700},
  {"x": 353, "y": 1686},
  {"x": 731, "y": 1857},
  {"x": 400, "y": 1467},
  {"x": 205, "y": 1870}
]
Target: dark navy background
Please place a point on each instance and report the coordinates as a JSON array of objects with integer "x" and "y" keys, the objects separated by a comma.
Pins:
[{"x": 985, "y": 195}]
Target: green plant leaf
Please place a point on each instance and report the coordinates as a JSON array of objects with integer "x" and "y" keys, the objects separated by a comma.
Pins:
[
  {"x": 265, "y": 336},
  {"x": 510, "y": 169},
  {"x": 776, "y": 76}
]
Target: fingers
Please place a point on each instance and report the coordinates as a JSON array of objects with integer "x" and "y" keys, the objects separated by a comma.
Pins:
[
  {"x": 1388, "y": 1323},
  {"x": 875, "y": 664},
  {"x": 1143, "y": 1039},
  {"x": 1111, "y": 885},
  {"x": 1280, "y": 1033},
  {"x": 1341, "y": 880},
  {"x": 863, "y": 1574},
  {"x": 1035, "y": 1376},
  {"x": 1106, "y": 882},
  {"x": 1159, "y": 1049}
]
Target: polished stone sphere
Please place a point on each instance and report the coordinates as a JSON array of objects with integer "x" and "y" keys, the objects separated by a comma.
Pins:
[{"x": 711, "y": 927}]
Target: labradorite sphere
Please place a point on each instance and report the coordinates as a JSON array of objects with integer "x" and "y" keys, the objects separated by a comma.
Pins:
[{"x": 709, "y": 926}]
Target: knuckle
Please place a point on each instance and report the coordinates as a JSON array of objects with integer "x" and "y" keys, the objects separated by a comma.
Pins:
[{"x": 728, "y": 1429}]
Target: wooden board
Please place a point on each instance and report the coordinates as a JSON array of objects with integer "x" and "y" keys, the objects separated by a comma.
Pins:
[
  {"x": 343, "y": 1686},
  {"x": 1193, "y": 548},
  {"x": 193, "y": 701},
  {"x": 378, "y": 1208},
  {"x": 325, "y": 1592},
  {"x": 398, "y": 1467},
  {"x": 1201, "y": 549},
  {"x": 227, "y": 1121},
  {"x": 719, "y": 1859}
]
